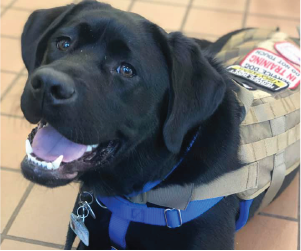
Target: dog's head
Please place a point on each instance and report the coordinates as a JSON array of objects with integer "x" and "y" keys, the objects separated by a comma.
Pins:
[{"x": 110, "y": 91}]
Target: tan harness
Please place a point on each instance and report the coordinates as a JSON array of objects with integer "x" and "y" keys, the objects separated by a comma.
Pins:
[{"x": 270, "y": 136}]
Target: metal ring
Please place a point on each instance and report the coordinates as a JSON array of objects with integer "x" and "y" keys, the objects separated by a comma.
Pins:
[
  {"x": 86, "y": 193},
  {"x": 100, "y": 204},
  {"x": 83, "y": 216}
]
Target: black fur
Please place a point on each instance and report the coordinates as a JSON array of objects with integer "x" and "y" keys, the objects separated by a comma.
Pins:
[{"x": 179, "y": 90}]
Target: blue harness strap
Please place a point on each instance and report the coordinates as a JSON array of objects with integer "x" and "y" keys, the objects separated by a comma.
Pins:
[
  {"x": 123, "y": 212},
  {"x": 117, "y": 231},
  {"x": 244, "y": 210}
]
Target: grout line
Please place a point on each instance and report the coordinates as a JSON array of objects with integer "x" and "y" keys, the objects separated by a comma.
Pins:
[
  {"x": 276, "y": 17},
  {"x": 11, "y": 116},
  {"x": 7, "y": 7},
  {"x": 16, "y": 211},
  {"x": 31, "y": 241},
  {"x": 299, "y": 212},
  {"x": 10, "y": 37},
  {"x": 246, "y": 12},
  {"x": 9, "y": 72},
  {"x": 131, "y": 5},
  {"x": 9, "y": 169},
  {"x": 278, "y": 216},
  {"x": 186, "y": 15},
  {"x": 11, "y": 85},
  {"x": 22, "y": 9},
  {"x": 217, "y": 10}
]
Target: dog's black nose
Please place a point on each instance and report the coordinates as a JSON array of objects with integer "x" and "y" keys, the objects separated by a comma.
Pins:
[{"x": 54, "y": 84}]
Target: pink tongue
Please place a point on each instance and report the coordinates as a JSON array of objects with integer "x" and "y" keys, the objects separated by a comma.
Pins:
[{"x": 48, "y": 144}]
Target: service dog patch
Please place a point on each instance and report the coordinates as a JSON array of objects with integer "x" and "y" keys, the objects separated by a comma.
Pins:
[
  {"x": 257, "y": 78},
  {"x": 289, "y": 51},
  {"x": 270, "y": 64}
]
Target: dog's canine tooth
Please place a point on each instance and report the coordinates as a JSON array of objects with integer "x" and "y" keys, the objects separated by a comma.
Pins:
[
  {"x": 29, "y": 157},
  {"x": 28, "y": 147},
  {"x": 89, "y": 149},
  {"x": 57, "y": 162}
]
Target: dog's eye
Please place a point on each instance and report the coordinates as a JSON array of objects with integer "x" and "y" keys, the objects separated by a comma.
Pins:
[
  {"x": 126, "y": 70},
  {"x": 63, "y": 43}
]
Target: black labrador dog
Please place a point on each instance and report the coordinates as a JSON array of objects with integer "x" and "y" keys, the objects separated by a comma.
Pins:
[{"x": 117, "y": 101}]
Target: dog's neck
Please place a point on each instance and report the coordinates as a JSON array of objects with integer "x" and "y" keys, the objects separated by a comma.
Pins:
[{"x": 214, "y": 153}]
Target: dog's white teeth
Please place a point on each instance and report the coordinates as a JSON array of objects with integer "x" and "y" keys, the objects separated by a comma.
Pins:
[
  {"x": 45, "y": 125},
  {"x": 89, "y": 149},
  {"x": 28, "y": 147},
  {"x": 49, "y": 166},
  {"x": 33, "y": 159},
  {"x": 29, "y": 157},
  {"x": 46, "y": 165},
  {"x": 56, "y": 164}
]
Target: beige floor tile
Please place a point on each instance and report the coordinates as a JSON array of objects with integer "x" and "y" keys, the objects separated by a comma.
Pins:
[
  {"x": 173, "y": 2},
  {"x": 12, "y": 26},
  {"x": 287, "y": 203},
  {"x": 17, "y": 245},
  {"x": 267, "y": 233},
  {"x": 212, "y": 22},
  {"x": 50, "y": 209},
  {"x": 288, "y": 8},
  {"x": 11, "y": 102},
  {"x": 6, "y": 2},
  {"x": 13, "y": 186},
  {"x": 231, "y": 5},
  {"x": 166, "y": 16},
  {"x": 11, "y": 59},
  {"x": 6, "y": 79},
  {"x": 14, "y": 132},
  {"x": 286, "y": 26},
  {"x": 40, "y": 4},
  {"x": 118, "y": 4}
]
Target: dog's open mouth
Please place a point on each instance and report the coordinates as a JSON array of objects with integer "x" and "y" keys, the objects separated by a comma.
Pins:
[{"x": 51, "y": 156}]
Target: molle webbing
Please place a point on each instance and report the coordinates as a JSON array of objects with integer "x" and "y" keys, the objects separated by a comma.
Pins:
[{"x": 271, "y": 128}]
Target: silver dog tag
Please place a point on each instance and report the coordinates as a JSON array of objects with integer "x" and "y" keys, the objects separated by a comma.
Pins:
[{"x": 78, "y": 226}]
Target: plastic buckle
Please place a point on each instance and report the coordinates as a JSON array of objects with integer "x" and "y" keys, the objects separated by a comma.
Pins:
[{"x": 166, "y": 211}]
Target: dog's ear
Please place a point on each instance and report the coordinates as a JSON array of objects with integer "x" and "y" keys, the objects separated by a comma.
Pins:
[
  {"x": 38, "y": 28},
  {"x": 196, "y": 90}
]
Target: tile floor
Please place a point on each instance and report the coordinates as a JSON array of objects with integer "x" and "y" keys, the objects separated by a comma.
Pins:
[{"x": 33, "y": 217}]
